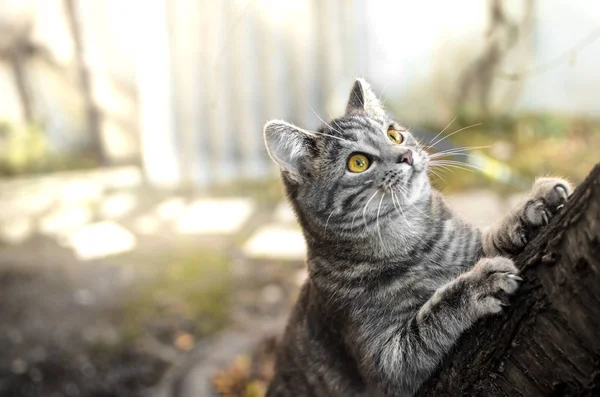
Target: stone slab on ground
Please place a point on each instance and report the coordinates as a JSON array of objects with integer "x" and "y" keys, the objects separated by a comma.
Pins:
[
  {"x": 276, "y": 241},
  {"x": 64, "y": 219},
  {"x": 98, "y": 240},
  {"x": 214, "y": 216},
  {"x": 15, "y": 231},
  {"x": 118, "y": 204}
]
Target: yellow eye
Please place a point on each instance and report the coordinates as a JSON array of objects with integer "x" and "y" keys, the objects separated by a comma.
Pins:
[
  {"x": 358, "y": 163},
  {"x": 395, "y": 136}
]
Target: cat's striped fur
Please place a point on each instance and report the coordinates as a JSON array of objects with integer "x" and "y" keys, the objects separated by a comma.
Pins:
[{"x": 394, "y": 276}]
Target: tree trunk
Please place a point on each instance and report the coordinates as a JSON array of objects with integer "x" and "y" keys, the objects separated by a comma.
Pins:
[
  {"x": 93, "y": 117},
  {"x": 548, "y": 341}
]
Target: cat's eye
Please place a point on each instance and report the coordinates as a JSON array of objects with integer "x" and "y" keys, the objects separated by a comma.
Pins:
[
  {"x": 358, "y": 163},
  {"x": 395, "y": 136}
]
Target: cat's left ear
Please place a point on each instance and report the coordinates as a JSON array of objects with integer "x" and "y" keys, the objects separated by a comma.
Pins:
[
  {"x": 289, "y": 146},
  {"x": 364, "y": 101}
]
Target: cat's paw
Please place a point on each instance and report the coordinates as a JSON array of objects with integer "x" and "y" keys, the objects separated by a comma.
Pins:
[
  {"x": 491, "y": 281},
  {"x": 547, "y": 197}
]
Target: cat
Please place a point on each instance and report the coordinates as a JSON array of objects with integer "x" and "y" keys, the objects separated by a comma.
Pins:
[{"x": 394, "y": 276}]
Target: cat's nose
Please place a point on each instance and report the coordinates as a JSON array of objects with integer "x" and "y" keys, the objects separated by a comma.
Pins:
[{"x": 406, "y": 157}]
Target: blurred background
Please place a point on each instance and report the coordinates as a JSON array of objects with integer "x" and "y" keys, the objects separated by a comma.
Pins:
[{"x": 145, "y": 245}]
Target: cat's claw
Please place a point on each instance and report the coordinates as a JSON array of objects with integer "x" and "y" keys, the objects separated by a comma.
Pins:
[
  {"x": 491, "y": 281},
  {"x": 514, "y": 277},
  {"x": 548, "y": 196}
]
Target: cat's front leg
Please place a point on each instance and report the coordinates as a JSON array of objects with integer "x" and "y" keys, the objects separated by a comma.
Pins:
[
  {"x": 407, "y": 358},
  {"x": 513, "y": 232}
]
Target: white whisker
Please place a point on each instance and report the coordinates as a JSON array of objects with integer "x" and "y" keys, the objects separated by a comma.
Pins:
[
  {"x": 324, "y": 122},
  {"x": 455, "y": 132},
  {"x": 378, "y": 227},
  {"x": 456, "y": 164},
  {"x": 442, "y": 131},
  {"x": 397, "y": 207},
  {"x": 327, "y": 222},
  {"x": 366, "y": 205},
  {"x": 402, "y": 212},
  {"x": 436, "y": 174},
  {"x": 414, "y": 206},
  {"x": 322, "y": 133},
  {"x": 463, "y": 148},
  {"x": 450, "y": 153}
]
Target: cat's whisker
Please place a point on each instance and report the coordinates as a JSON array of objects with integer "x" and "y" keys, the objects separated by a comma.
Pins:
[
  {"x": 442, "y": 167},
  {"x": 327, "y": 222},
  {"x": 446, "y": 157},
  {"x": 366, "y": 205},
  {"x": 455, "y": 162},
  {"x": 457, "y": 151},
  {"x": 324, "y": 122},
  {"x": 378, "y": 226},
  {"x": 404, "y": 191},
  {"x": 414, "y": 206},
  {"x": 384, "y": 102},
  {"x": 399, "y": 211},
  {"x": 436, "y": 173},
  {"x": 455, "y": 132},
  {"x": 394, "y": 201},
  {"x": 459, "y": 165},
  {"x": 333, "y": 121},
  {"x": 449, "y": 156},
  {"x": 442, "y": 161},
  {"x": 382, "y": 91},
  {"x": 328, "y": 135},
  {"x": 402, "y": 213},
  {"x": 466, "y": 148},
  {"x": 449, "y": 166},
  {"x": 442, "y": 131}
]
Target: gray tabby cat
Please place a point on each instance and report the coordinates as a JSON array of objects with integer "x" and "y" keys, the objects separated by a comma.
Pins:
[{"x": 394, "y": 276}]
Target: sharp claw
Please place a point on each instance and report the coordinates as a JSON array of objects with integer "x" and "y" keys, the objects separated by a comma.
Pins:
[
  {"x": 546, "y": 217},
  {"x": 504, "y": 304},
  {"x": 515, "y": 277},
  {"x": 562, "y": 191}
]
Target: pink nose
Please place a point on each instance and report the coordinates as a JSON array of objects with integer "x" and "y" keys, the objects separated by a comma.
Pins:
[{"x": 406, "y": 157}]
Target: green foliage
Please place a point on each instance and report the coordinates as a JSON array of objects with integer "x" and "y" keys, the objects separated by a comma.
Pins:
[
  {"x": 191, "y": 293},
  {"x": 531, "y": 144},
  {"x": 22, "y": 148}
]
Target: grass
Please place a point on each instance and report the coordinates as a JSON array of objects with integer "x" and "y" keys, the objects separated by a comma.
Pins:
[{"x": 191, "y": 294}]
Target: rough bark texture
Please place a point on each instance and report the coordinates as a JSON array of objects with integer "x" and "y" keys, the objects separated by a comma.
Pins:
[{"x": 548, "y": 341}]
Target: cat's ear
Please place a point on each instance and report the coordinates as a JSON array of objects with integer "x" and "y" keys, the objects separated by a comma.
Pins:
[
  {"x": 288, "y": 146},
  {"x": 364, "y": 101}
]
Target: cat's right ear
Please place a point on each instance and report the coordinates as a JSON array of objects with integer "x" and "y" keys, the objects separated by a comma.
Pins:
[
  {"x": 288, "y": 146},
  {"x": 364, "y": 101}
]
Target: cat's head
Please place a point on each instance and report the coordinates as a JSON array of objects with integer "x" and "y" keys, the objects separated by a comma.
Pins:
[{"x": 357, "y": 169}]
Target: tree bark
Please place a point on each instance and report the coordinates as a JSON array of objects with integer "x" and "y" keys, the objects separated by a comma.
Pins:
[{"x": 548, "y": 341}]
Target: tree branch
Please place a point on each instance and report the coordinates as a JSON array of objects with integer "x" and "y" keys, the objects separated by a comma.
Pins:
[{"x": 548, "y": 341}]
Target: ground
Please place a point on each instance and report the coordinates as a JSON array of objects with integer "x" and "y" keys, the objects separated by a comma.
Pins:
[{"x": 110, "y": 289}]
